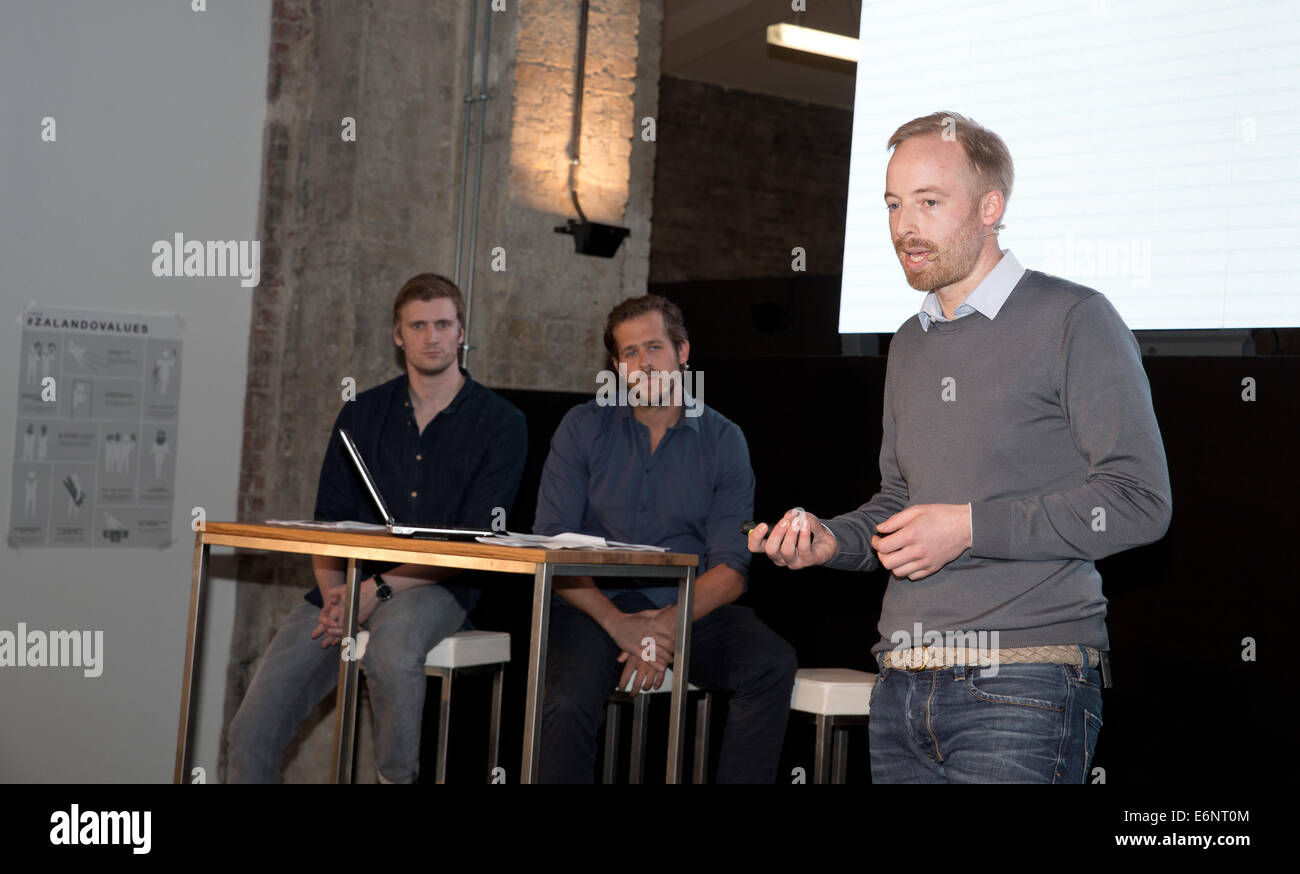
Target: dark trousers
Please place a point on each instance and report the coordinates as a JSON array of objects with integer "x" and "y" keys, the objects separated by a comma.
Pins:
[{"x": 732, "y": 651}]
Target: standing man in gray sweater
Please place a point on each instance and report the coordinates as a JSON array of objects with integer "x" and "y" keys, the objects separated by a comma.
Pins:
[{"x": 1019, "y": 447}]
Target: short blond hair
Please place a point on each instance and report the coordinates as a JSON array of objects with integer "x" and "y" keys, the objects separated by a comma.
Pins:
[{"x": 987, "y": 157}]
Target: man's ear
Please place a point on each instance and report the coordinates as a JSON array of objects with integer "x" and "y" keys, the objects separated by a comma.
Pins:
[
  {"x": 995, "y": 206},
  {"x": 684, "y": 353}
]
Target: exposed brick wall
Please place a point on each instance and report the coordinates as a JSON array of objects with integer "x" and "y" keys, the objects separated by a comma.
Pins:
[
  {"x": 538, "y": 325},
  {"x": 342, "y": 225},
  {"x": 743, "y": 178}
]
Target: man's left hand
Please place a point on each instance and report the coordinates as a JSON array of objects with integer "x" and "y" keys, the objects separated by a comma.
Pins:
[
  {"x": 665, "y": 622},
  {"x": 918, "y": 541},
  {"x": 334, "y": 607}
]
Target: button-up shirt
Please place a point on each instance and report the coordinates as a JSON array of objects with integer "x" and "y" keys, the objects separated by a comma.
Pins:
[
  {"x": 690, "y": 495},
  {"x": 457, "y": 472},
  {"x": 987, "y": 297}
]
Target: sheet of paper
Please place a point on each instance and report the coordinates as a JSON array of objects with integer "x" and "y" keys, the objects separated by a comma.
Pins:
[
  {"x": 568, "y": 540},
  {"x": 328, "y": 526}
]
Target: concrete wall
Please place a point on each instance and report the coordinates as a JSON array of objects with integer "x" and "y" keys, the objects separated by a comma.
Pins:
[{"x": 159, "y": 112}]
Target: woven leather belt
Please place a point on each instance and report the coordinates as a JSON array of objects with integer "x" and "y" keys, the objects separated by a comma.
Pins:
[{"x": 928, "y": 658}]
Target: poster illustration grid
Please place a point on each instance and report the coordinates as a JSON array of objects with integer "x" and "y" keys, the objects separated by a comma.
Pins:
[{"x": 95, "y": 453}]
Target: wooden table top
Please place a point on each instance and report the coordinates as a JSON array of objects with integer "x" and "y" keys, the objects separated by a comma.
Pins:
[{"x": 382, "y": 546}]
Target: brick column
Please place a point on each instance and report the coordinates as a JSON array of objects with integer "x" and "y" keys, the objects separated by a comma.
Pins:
[{"x": 344, "y": 223}]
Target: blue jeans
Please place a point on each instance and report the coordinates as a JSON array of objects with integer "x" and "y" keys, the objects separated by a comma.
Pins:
[
  {"x": 731, "y": 651},
  {"x": 1034, "y": 723},
  {"x": 295, "y": 673}
]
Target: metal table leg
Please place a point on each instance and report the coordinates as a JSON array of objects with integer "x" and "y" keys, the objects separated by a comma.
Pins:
[
  {"x": 189, "y": 681},
  {"x": 536, "y": 673},
  {"x": 345, "y": 710},
  {"x": 681, "y": 676}
]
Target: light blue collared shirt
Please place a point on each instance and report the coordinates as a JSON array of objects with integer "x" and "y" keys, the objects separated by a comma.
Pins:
[{"x": 987, "y": 297}]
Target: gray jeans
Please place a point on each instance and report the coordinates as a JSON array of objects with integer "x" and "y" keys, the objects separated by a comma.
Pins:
[{"x": 295, "y": 673}]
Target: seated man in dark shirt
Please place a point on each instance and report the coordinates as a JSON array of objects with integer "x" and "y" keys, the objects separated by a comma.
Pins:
[
  {"x": 444, "y": 451},
  {"x": 673, "y": 473}
]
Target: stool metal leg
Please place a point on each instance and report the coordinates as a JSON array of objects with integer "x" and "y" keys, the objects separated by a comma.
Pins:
[
  {"x": 356, "y": 723},
  {"x": 494, "y": 738},
  {"x": 609, "y": 768},
  {"x": 839, "y": 753},
  {"x": 700, "y": 767},
  {"x": 444, "y": 724},
  {"x": 821, "y": 761},
  {"x": 636, "y": 769}
]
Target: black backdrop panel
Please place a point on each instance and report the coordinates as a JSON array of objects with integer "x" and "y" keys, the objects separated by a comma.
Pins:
[{"x": 1185, "y": 706}]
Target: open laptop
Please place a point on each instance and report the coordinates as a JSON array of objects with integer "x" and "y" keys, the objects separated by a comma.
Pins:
[{"x": 395, "y": 527}]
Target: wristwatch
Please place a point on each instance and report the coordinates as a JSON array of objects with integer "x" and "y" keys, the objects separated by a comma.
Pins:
[{"x": 382, "y": 589}]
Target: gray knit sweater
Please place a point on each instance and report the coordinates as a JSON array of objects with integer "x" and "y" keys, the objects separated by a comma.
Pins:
[{"x": 1041, "y": 420}]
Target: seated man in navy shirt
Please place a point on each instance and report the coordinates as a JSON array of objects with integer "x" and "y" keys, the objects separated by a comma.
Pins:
[
  {"x": 444, "y": 451},
  {"x": 670, "y": 475}
]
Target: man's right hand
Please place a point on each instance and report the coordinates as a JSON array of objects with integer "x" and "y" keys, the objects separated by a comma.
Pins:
[
  {"x": 630, "y": 631},
  {"x": 799, "y": 540},
  {"x": 329, "y": 624},
  {"x": 643, "y": 675}
]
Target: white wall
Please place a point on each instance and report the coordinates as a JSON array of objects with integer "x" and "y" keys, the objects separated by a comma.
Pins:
[{"x": 159, "y": 113}]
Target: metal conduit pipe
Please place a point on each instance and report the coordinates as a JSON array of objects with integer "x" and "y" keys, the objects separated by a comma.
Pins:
[
  {"x": 464, "y": 139},
  {"x": 478, "y": 181}
]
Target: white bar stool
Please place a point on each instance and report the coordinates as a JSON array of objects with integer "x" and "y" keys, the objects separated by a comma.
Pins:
[
  {"x": 835, "y": 698},
  {"x": 465, "y": 652},
  {"x": 640, "y": 707}
]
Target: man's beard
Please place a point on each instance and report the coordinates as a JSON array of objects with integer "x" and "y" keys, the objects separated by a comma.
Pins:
[
  {"x": 430, "y": 371},
  {"x": 664, "y": 391},
  {"x": 950, "y": 262}
]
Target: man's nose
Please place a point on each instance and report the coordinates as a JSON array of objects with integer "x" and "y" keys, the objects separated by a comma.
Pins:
[{"x": 904, "y": 223}]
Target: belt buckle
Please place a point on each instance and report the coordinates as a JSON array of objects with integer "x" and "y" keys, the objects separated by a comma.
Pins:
[{"x": 906, "y": 659}]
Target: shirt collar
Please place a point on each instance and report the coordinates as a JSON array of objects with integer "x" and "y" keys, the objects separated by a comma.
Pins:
[
  {"x": 692, "y": 422},
  {"x": 987, "y": 297},
  {"x": 404, "y": 391}
]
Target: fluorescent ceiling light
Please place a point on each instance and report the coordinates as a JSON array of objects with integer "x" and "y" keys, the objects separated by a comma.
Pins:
[{"x": 819, "y": 42}]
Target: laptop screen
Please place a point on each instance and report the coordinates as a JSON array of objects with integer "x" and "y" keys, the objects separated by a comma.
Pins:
[{"x": 366, "y": 477}]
